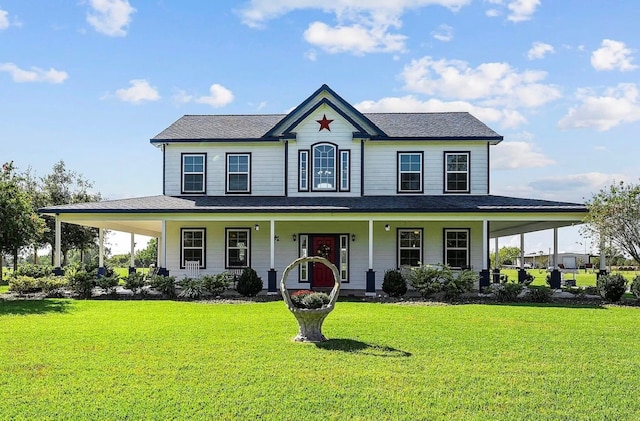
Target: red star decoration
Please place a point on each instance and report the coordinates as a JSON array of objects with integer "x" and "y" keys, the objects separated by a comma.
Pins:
[{"x": 324, "y": 123}]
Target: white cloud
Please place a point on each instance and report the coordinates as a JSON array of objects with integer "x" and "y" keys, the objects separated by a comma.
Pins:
[
  {"x": 139, "y": 91},
  {"x": 586, "y": 182},
  {"x": 495, "y": 84},
  {"x": 110, "y": 17},
  {"x": 409, "y": 103},
  {"x": 219, "y": 96},
  {"x": 443, "y": 33},
  {"x": 363, "y": 26},
  {"x": 311, "y": 55},
  {"x": 515, "y": 155},
  {"x": 34, "y": 74},
  {"x": 182, "y": 97},
  {"x": 4, "y": 19},
  {"x": 518, "y": 10},
  {"x": 615, "y": 106},
  {"x": 539, "y": 50},
  {"x": 612, "y": 55},
  {"x": 521, "y": 10},
  {"x": 356, "y": 39}
]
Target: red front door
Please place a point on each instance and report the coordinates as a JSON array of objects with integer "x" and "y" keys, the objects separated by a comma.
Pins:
[{"x": 323, "y": 246}]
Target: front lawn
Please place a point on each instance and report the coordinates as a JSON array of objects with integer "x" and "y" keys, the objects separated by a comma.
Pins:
[{"x": 71, "y": 359}]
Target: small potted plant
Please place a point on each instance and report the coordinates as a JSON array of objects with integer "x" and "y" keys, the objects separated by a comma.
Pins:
[{"x": 310, "y": 308}]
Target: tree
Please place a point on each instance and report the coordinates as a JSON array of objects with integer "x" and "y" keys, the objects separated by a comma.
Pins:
[
  {"x": 614, "y": 218},
  {"x": 507, "y": 256},
  {"x": 148, "y": 255},
  {"x": 20, "y": 226},
  {"x": 63, "y": 187}
]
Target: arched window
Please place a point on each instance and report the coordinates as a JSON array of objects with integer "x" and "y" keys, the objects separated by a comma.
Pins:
[{"x": 324, "y": 167}]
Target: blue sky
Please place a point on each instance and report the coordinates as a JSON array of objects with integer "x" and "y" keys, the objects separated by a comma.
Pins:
[{"x": 91, "y": 81}]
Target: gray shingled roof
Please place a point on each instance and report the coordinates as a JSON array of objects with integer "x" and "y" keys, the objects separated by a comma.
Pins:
[
  {"x": 282, "y": 204},
  {"x": 395, "y": 125}
]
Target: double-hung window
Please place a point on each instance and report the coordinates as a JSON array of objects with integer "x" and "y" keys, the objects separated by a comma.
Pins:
[
  {"x": 456, "y": 172},
  {"x": 237, "y": 247},
  {"x": 238, "y": 173},
  {"x": 456, "y": 248},
  {"x": 193, "y": 246},
  {"x": 345, "y": 166},
  {"x": 194, "y": 173},
  {"x": 324, "y": 167},
  {"x": 409, "y": 247},
  {"x": 303, "y": 177},
  {"x": 410, "y": 172}
]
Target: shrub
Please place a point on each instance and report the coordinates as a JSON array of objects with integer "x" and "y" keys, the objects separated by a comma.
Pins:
[
  {"x": 309, "y": 299},
  {"x": 108, "y": 282},
  {"x": 505, "y": 292},
  {"x": 394, "y": 283},
  {"x": 23, "y": 284},
  {"x": 52, "y": 284},
  {"x": 192, "y": 288},
  {"x": 134, "y": 282},
  {"x": 458, "y": 285},
  {"x": 249, "y": 283},
  {"x": 217, "y": 284},
  {"x": 80, "y": 281},
  {"x": 540, "y": 294},
  {"x": 611, "y": 287},
  {"x": 165, "y": 284},
  {"x": 635, "y": 287},
  {"x": 428, "y": 279},
  {"x": 34, "y": 271}
]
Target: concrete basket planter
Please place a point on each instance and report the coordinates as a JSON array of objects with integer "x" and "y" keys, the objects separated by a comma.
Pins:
[{"x": 310, "y": 319}]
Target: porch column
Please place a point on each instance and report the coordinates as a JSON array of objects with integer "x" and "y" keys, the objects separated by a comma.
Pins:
[
  {"x": 485, "y": 280},
  {"x": 371, "y": 275},
  {"x": 271, "y": 277},
  {"x": 556, "y": 276},
  {"x": 603, "y": 260},
  {"x": 496, "y": 269},
  {"x": 57, "y": 246},
  {"x": 162, "y": 250},
  {"x": 101, "y": 269},
  {"x": 522, "y": 274},
  {"x": 132, "y": 259}
]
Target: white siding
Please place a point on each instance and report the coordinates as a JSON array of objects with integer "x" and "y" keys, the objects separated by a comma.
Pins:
[
  {"x": 308, "y": 134},
  {"x": 267, "y": 166},
  {"x": 381, "y": 165},
  {"x": 286, "y": 250}
]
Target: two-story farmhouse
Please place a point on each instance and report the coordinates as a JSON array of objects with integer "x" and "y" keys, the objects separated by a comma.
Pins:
[{"x": 369, "y": 191}]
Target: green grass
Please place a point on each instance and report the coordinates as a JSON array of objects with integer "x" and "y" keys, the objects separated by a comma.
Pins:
[
  {"x": 68, "y": 359},
  {"x": 123, "y": 272},
  {"x": 582, "y": 279}
]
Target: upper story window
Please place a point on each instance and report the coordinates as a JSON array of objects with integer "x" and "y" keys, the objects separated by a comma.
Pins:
[
  {"x": 324, "y": 167},
  {"x": 238, "y": 173},
  {"x": 345, "y": 169},
  {"x": 303, "y": 165},
  {"x": 410, "y": 172},
  {"x": 193, "y": 173},
  {"x": 456, "y": 178}
]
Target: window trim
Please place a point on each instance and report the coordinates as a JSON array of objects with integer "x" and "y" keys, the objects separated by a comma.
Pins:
[
  {"x": 335, "y": 167},
  {"x": 203, "y": 263},
  {"x": 346, "y": 239},
  {"x": 445, "y": 248},
  {"x": 227, "y": 173},
  {"x": 398, "y": 248},
  {"x": 345, "y": 153},
  {"x": 303, "y": 253},
  {"x": 446, "y": 172},
  {"x": 399, "y": 173},
  {"x": 306, "y": 153},
  {"x": 204, "y": 172},
  {"x": 227, "y": 230}
]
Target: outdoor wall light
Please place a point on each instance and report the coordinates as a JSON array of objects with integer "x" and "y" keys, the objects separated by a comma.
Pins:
[
  {"x": 294, "y": 238},
  {"x": 276, "y": 237},
  {"x": 387, "y": 227},
  {"x": 256, "y": 227},
  {"x": 353, "y": 237}
]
